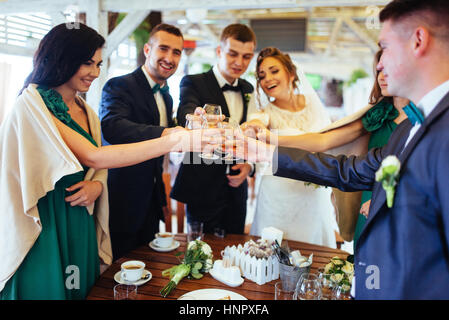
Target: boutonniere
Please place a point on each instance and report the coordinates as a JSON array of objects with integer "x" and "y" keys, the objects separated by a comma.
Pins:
[
  {"x": 247, "y": 97},
  {"x": 388, "y": 174}
]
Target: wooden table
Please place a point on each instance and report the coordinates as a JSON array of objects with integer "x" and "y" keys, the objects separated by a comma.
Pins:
[{"x": 156, "y": 262}]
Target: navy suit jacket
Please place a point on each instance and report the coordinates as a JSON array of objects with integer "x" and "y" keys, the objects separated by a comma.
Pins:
[
  {"x": 203, "y": 183},
  {"x": 129, "y": 113},
  {"x": 403, "y": 251}
]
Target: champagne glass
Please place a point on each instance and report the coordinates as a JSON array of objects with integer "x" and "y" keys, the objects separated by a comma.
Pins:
[
  {"x": 230, "y": 126},
  {"x": 193, "y": 122},
  {"x": 308, "y": 287},
  {"x": 211, "y": 118}
]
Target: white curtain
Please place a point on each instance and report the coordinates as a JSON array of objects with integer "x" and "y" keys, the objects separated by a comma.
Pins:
[{"x": 5, "y": 90}]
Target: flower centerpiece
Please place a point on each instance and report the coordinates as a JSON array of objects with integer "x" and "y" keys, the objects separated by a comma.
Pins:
[
  {"x": 197, "y": 261},
  {"x": 340, "y": 272}
]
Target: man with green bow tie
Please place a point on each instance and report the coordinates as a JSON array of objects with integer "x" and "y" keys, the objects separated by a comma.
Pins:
[{"x": 137, "y": 107}]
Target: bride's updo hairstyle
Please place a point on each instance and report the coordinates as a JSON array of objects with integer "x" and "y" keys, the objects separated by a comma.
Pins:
[{"x": 284, "y": 59}]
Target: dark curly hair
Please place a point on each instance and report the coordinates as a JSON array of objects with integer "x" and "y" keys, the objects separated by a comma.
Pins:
[{"x": 61, "y": 53}]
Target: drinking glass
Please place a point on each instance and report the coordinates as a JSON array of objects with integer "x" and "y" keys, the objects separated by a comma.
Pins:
[
  {"x": 211, "y": 118},
  {"x": 282, "y": 293},
  {"x": 327, "y": 285},
  {"x": 339, "y": 293},
  {"x": 125, "y": 292},
  {"x": 193, "y": 122},
  {"x": 308, "y": 287},
  {"x": 230, "y": 127},
  {"x": 194, "y": 231}
]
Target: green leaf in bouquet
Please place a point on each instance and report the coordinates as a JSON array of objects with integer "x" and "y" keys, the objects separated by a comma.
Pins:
[{"x": 197, "y": 275}]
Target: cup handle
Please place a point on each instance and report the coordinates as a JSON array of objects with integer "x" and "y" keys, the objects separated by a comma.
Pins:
[{"x": 124, "y": 276}]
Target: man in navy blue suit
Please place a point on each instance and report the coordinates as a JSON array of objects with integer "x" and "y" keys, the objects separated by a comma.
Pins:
[
  {"x": 137, "y": 107},
  {"x": 403, "y": 251}
]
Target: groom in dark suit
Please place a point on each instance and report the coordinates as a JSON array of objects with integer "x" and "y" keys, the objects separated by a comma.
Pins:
[
  {"x": 216, "y": 193},
  {"x": 403, "y": 251},
  {"x": 137, "y": 107}
]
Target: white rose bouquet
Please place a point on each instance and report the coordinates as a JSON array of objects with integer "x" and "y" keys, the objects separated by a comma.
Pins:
[
  {"x": 197, "y": 260},
  {"x": 340, "y": 272}
]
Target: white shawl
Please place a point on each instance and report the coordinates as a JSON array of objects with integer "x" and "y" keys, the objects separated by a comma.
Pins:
[{"x": 33, "y": 158}]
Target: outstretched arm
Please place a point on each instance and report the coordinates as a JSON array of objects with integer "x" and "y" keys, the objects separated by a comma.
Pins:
[
  {"x": 123, "y": 155},
  {"x": 342, "y": 172},
  {"x": 313, "y": 142},
  {"x": 320, "y": 142}
]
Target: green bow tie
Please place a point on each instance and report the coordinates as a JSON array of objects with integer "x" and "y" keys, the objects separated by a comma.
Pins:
[
  {"x": 157, "y": 88},
  {"x": 413, "y": 113}
]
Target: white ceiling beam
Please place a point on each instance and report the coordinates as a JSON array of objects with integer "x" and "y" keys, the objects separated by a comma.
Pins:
[
  {"x": 362, "y": 34},
  {"x": 123, "y": 30},
  {"x": 10, "y": 7},
  {"x": 334, "y": 35},
  {"x": 214, "y": 38},
  {"x": 132, "y": 5}
]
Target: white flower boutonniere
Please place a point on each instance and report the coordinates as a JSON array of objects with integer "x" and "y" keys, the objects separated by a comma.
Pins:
[{"x": 388, "y": 174}]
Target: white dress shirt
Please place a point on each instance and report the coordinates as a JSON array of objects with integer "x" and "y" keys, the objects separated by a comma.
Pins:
[
  {"x": 163, "y": 122},
  {"x": 233, "y": 98},
  {"x": 234, "y": 101},
  {"x": 427, "y": 104}
]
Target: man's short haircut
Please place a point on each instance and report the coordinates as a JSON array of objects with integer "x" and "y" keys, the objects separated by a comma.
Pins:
[
  {"x": 434, "y": 14},
  {"x": 167, "y": 28},
  {"x": 238, "y": 32}
]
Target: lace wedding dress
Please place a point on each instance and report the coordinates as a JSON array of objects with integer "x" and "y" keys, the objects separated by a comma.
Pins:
[{"x": 303, "y": 212}]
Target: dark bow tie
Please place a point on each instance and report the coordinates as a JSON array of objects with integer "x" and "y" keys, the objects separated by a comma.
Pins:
[
  {"x": 232, "y": 88},
  {"x": 157, "y": 88},
  {"x": 413, "y": 113}
]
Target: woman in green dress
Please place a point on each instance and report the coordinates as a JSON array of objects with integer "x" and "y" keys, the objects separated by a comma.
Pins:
[{"x": 62, "y": 259}]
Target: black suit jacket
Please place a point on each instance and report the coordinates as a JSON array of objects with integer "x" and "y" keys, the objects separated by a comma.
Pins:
[
  {"x": 197, "y": 182},
  {"x": 129, "y": 113}
]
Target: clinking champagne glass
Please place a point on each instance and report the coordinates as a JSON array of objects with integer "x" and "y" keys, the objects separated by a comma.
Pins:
[
  {"x": 211, "y": 118},
  {"x": 230, "y": 126}
]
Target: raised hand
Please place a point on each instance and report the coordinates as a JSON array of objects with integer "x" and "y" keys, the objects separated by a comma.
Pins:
[{"x": 251, "y": 149}]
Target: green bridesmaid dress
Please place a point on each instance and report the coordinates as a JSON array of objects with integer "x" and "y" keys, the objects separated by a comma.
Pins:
[
  {"x": 63, "y": 262},
  {"x": 379, "y": 121}
]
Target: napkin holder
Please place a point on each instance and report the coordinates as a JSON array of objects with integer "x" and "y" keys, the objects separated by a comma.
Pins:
[{"x": 258, "y": 270}]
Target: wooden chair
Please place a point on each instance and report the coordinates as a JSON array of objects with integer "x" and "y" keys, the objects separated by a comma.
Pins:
[
  {"x": 339, "y": 240},
  {"x": 168, "y": 211}
]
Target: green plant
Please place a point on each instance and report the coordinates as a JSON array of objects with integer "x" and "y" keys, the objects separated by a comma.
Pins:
[{"x": 355, "y": 75}]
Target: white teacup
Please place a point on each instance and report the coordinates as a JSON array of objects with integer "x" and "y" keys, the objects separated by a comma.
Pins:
[
  {"x": 164, "y": 239},
  {"x": 132, "y": 270}
]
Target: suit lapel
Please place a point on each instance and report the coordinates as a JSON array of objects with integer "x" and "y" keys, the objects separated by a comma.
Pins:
[
  {"x": 216, "y": 92},
  {"x": 148, "y": 95},
  {"x": 244, "y": 90},
  {"x": 168, "y": 108}
]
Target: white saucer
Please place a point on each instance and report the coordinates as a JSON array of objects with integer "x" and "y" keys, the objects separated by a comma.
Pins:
[
  {"x": 118, "y": 278},
  {"x": 161, "y": 249}
]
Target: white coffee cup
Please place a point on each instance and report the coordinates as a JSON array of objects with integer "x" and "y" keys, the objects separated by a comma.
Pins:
[
  {"x": 163, "y": 239},
  {"x": 132, "y": 270}
]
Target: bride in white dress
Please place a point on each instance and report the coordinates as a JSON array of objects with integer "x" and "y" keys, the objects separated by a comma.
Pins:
[{"x": 302, "y": 211}]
